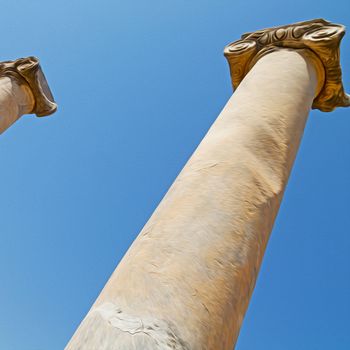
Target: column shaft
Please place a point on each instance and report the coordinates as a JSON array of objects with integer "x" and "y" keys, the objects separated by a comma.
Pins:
[
  {"x": 15, "y": 100},
  {"x": 186, "y": 281}
]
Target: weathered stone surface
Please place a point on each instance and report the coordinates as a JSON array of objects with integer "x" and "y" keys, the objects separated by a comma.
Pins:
[
  {"x": 186, "y": 281},
  {"x": 195, "y": 263}
]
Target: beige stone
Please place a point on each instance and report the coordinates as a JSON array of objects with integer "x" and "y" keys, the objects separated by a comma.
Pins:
[
  {"x": 23, "y": 90},
  {"x": 186, "y": 281}
]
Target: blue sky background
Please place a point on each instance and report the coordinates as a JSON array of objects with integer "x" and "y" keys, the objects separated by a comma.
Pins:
[{"x": 138, "y": 84}]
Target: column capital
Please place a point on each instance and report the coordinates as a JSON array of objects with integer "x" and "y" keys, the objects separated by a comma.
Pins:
[
  {"x": 28, "y": 71},
  {"x": 318, "y": 35}
]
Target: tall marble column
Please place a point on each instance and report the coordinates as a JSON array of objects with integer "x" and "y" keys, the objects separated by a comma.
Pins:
[
  {"x": 23, "y": 90},
  {"x": 186, "y": 281}
]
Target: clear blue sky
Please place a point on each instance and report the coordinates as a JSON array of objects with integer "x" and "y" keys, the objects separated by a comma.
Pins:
[{"x": 138, "y": 84}]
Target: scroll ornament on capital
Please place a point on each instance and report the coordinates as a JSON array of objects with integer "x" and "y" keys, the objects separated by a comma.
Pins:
[
  {"x": 28, "y": 71},
  {"x": 321, "y": 39}
]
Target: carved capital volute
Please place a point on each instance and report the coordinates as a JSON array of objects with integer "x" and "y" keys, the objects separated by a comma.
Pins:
[
  {"x": 321, "y": 37},
  {"x": 28, "y": 71}
]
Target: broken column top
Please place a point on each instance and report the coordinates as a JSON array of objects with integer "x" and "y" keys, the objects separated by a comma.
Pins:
[
  {"x": 28, "y": 71},
  {"x": 321, "y": 37}
]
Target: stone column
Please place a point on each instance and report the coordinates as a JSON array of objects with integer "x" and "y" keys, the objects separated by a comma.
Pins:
[
  {"x": 186, "y": 281},
  {"x": 23, "y": 90}
]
